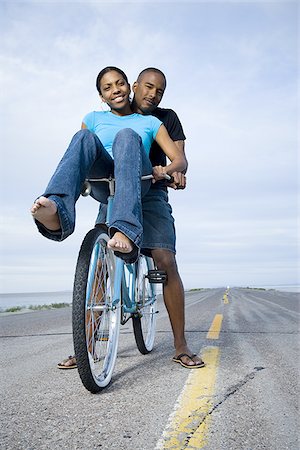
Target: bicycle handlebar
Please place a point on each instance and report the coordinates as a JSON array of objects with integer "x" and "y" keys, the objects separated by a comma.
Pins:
[
  {"x": 166, "y": 176},
  {"x": 86, "y": 189}
]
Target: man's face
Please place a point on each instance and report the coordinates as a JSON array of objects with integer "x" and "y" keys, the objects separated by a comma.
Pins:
[{"x": 148, "y": 92}]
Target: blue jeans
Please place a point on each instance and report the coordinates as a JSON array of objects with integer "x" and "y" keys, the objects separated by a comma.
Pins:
[
  {"x": 158, "y": 221},
  {"x": 87, "y": 158}
]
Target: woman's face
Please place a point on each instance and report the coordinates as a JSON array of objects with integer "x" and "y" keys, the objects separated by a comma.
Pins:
[{"x": 114, "y": 90}]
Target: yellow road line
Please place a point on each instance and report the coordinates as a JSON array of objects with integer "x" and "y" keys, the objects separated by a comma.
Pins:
[
  {"x": 188, "y": 425},
  {"x": 225, "y": 298},
  {"x": 215, "y": 328}
]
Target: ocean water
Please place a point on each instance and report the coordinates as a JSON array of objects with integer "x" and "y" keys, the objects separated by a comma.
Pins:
[
  {"x": 34, "y": 298},
  {"x": 24, "y": 300},
  {"x": 283, "y": 288}
]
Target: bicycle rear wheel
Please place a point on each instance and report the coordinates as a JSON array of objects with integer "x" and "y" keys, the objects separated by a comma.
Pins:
[
  {"x": 96, "y": 323},
  {"x": 144, "y": 322}
]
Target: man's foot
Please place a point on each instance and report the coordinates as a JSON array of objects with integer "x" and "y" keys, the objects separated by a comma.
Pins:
[
  {"x": 187, "y": 358},
  {"x": 119, "y": 242},
  {"x": 189, "y": 361},
  {"x": 45, "y": 211},
  {"x": 68, "y": 363}
]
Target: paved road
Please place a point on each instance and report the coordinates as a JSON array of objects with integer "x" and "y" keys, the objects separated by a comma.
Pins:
[{"x": 247, "y": 395}]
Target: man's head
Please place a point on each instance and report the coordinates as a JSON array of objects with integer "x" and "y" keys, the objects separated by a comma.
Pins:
[{"x": 148, "y": 90}]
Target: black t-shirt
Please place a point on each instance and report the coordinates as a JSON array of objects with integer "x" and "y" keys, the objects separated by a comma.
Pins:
[
  {"x": 170, "y": 120},
  {"x": 173, "y": 125}
]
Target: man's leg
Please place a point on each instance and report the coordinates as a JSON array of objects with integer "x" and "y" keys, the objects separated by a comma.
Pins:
[
  {"x": 159, "y": 236},
  {"x": 173, "y": 294}
]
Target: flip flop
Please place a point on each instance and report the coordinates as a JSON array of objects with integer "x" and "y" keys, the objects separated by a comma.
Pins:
[
  {"x": 178, "y": 359},
  {"x": 62, "y": 365}
]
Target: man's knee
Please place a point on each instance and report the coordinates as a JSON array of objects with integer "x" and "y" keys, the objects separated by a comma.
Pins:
[{"x": 164, "y": 259}]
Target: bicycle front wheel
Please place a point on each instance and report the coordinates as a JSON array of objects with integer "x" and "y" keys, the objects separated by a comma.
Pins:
[
  {"x": 144, "y": 322},
  {"x": 96, "y": 322}
]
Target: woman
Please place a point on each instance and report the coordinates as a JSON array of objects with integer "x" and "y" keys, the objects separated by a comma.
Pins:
[{"x": 117, "y": 141}]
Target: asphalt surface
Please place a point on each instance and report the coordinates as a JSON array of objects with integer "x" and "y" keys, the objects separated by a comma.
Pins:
[{"x": 256, "y": 394}]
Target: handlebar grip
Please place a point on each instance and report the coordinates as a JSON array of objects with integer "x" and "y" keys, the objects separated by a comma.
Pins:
[{"x": 169, "y": 178}]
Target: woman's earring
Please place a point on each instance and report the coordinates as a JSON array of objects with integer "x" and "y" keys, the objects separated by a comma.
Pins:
[{"x": 104, "y": 106}]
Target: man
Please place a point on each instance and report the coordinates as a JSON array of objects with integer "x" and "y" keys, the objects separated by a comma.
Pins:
[
  {"x": 159, "y": 239},
  {"x": 148, "y": 92}
]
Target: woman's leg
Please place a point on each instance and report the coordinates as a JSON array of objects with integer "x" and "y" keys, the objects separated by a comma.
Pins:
[
  {"x": 131, "y": 162},
  {"x": 85, "y": 154}
]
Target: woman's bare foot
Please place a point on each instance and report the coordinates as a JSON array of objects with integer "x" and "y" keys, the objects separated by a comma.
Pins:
[
  {"x": 119, "y": 242},
  {"x": 45, "y": 211}
]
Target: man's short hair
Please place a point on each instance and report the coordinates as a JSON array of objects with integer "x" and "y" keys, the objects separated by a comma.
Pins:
[{"x": 152, "y": 69}]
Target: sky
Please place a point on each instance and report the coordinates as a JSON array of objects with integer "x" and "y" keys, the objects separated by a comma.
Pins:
[{"x": 231, "y": 68}]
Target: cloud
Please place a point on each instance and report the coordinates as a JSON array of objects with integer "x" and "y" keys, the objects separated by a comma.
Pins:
[{"x": 231, "y": 69}]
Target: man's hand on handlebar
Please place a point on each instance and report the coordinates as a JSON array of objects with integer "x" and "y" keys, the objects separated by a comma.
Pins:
[
  {"x": 179, "y": 181},
  {"x": 176, "y": 181}
]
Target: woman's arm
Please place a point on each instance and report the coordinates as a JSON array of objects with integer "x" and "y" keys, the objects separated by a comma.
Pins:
[{"x": 176, "y": 156}]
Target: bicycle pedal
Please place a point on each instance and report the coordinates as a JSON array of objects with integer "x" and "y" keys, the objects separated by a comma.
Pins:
[{"x": 157, "y": 276}]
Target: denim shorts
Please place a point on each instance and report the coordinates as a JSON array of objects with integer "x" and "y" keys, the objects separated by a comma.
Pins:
[{"x": 158, "y": 222}]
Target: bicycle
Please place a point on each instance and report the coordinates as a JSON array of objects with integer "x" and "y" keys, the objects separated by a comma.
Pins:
[{"x": 108, "y": 293}]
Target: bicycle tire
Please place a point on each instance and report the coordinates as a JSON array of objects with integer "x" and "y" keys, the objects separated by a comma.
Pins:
[
  {"x": 144, "y": 322},
  {"x": 96, "y": 323}
]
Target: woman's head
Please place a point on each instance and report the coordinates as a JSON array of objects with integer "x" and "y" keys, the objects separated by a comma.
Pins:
[
  {"x": 107, "y": 70},
  {"x": 113, "y": 87}
]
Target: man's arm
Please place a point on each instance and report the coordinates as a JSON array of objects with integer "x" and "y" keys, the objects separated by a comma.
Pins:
[
  {"x": 175, "y": 156},
  {"x": 179, "y": 177}
]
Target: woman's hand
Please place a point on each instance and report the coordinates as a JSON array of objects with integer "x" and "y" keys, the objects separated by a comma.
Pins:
[{"x": 159, "y": 173}]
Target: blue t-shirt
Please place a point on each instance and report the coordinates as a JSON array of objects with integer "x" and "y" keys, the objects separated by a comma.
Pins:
[{"x": 106, "y": 125}]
